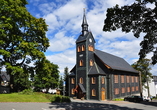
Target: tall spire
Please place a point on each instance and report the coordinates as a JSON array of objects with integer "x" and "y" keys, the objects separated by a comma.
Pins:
[{"x": 84, "y": 24}]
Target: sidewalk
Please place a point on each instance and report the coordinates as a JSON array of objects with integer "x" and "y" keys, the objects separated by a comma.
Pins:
[{"x": 97, "y": 101}]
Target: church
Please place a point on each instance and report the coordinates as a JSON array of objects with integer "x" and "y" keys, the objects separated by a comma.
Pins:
[{"x": 98, "y": 75}]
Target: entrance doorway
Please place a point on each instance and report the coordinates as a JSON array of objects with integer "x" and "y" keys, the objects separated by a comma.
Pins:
[{"x": 103, "y": 95}]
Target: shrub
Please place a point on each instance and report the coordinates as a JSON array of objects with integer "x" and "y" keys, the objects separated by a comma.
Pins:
[
  {"x": 27, "y": 92},
  {"x": 59, "y": 98},
  {"x": 118, "y": 99}
]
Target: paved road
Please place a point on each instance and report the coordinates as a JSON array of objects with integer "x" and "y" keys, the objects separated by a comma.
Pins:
[{"x": 81, "y": 105}]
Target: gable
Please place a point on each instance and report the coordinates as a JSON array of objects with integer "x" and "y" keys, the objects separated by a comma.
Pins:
[
  {"x": 114, "y": 62},
  {"x": 85, "y": 37}
]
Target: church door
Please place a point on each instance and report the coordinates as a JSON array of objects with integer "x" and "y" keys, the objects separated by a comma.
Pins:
[{"x": 103, "y": 94}]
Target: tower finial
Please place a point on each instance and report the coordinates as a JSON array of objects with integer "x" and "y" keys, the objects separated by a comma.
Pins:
[
  {"x": 84, "y": 24},
  {"x": 84, "y": 10}
]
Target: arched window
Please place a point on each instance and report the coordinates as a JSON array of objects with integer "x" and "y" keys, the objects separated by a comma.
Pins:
[
  {"x": 89, "y": 47},
  {"x": 78, "y": 49},
  {"x": 81, "y": 80},
  {"x": 83, "y": 47},
  {"x": 102, "y": 80},
  {"x": 93, "y": 92},
  {"x": 93, "y": 80},
  {"x": 91, "y": 62},
  {"x": 72, "y": 91},
  {"x": 81, "y": 62},
  {"x": 72, "y": 80}
]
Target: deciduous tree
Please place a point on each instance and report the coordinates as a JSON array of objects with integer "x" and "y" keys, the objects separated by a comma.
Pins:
[
  {"x": 46, "y": 75},
  {"x": 22, "y": 37},
  {"x": 137, "y": 18},
  {"x": 144, "y": 66}
]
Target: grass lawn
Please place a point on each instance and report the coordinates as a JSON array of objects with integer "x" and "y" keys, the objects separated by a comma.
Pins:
[{"x": 16, "y": 97}]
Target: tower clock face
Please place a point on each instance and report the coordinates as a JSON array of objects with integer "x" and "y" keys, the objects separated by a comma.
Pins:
[{"x": 90, "y": 40}]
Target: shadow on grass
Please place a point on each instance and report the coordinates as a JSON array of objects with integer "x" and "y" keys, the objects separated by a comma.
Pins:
[{"x": 88, "y": 106}]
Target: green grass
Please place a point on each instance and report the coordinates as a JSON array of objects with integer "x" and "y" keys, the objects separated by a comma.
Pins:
[{"x": 17, "y": 97}]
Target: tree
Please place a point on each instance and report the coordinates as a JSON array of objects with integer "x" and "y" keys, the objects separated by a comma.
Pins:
[
  {"x": 144, "y": 66},
  {"x": 61, "y": 83},
  {"x": 22, "y": 39},
  {"x": 46, "y": 75},
  {"x": 66, "y": 79},
  {"x": 136, "y": 18}
]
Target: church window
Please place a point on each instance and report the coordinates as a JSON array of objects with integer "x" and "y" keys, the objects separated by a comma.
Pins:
[
  {"x": 91, "y": 62},
  {"x": 78, "y": 49},
  {"x": 81, "y": 62},
  {"x": 90, "y": 48},
  {"x": 115, "y": 78},
  {"x": 123, "y": 90},
  {"x": 102, "y": 80},
  {"x": 133, "y": 88},
  {"x": 72, "y": 91},
  {"x": 72, "y": 80},
  {"x": 136, "y": 79},
  {"x": 122, "y": 78},
  {"x": 93, "y": 92},
  {"x": 136, "y": 88},
  {"x": 132, "y": 79},
  {"x": 81, "y": 80},
  {"x": 83, "y": 47},
  {"x": 128, "y": 89},
  {"x": 93, "y": 80},
  {"x": 127, "y": 79},
  {"x": 116, "y": 90}
]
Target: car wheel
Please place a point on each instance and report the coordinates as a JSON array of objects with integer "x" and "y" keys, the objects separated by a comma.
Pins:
[{"x": 125, "y": 100}]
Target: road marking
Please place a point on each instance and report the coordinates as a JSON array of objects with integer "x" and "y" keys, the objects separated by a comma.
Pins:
[{"x": 44, "y": 109}]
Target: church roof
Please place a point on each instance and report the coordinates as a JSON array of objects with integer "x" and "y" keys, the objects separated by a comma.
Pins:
[
  {"x": 114, "y": 62},
  {"x": 85, "y": 37},
  {"x": 96, "y": 70}
]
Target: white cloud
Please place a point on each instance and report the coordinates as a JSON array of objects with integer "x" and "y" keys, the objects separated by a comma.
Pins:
[
  {"x": 65, "y": 59},
  {"x": 61, "y": 42},
  {"x": 65, "y": 19}
]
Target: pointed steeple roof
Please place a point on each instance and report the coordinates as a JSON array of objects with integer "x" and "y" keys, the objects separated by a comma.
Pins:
[{"x": 84, "y": 24}]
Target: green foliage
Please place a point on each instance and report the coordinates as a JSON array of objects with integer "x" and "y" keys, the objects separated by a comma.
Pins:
[
  {"x": 137, "y": 18},
  {"x": 59, "y": 98},
  {"x": 61, "y": 83},
  {"x": 27, "y": 92},
  {"x": 47, "y": 75},
  {"x": 66, "y": 79},
  {"x": 118, "y": 99},
  {"x": 144, "y": 66},
  {"x": 23, "y": 38}
]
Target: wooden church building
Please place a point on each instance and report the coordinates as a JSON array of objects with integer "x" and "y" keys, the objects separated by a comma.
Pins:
[{"x": 99, "y": 75}]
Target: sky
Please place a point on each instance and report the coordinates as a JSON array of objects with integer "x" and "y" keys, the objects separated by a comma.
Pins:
[{"x": 64, "y": 19}]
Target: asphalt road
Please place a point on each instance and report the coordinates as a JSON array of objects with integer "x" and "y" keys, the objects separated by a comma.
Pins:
[{"x": 81, "y": 105}]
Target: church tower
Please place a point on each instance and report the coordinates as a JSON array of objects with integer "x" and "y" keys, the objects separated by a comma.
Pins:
[{"x": 84, "y": 58}]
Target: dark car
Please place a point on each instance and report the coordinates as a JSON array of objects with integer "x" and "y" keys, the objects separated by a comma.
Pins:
[{"x": 133, "y": 98}]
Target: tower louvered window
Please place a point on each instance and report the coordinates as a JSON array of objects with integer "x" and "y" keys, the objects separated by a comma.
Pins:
[
  {"x": 81, "y": 62},
  {"x": 78, "y": 49},
  {"x": 83, "y": 47}
]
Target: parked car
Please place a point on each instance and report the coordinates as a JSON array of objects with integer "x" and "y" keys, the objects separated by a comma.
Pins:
[
  {"x": 147, "y": 99},
  {"x": 133, "y": 98}
]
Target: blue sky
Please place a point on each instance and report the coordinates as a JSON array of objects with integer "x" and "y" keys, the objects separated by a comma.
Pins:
[{"x": 64, "y": 19}]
